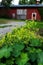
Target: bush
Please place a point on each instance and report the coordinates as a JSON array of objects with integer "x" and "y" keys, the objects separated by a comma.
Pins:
[
  {"x": 41, "y": 12},
  {"x": 22, "y": 47}
]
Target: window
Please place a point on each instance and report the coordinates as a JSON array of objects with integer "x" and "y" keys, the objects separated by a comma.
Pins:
[
  {"x": 21, "y": 11},
  {"x": 18, "y": 12},
  {"x": 25, "y": 12}
]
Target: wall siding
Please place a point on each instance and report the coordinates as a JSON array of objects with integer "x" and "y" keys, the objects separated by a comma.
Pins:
[
  {"x": 30, "y": 11},
  {"x": 9, "y": 12}
]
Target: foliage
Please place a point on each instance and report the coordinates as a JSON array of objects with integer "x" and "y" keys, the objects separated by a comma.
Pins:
[
  {"x": 41, "y": 1},
  {"x": 28, "y": 2},
  {"x": 41, "y": 12},
  {"x": 34, "y": 1},
  {"x": 22, "y": 60},
  {"x": 22, "y": 2},
  {"x": 6, "y": 2},
  {"x": 23, "y": 46}
]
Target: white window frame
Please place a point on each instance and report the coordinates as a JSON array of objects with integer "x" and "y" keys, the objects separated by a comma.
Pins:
[
  {"x": 21, "y": 11},
  {"x": 18, "y": 11},
  {"x": 35, "y": 15},
  {"x": 25, "y": 11}
]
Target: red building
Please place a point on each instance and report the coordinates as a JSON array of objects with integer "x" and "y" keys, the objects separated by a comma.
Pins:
[{"x": 29, "y": 12}]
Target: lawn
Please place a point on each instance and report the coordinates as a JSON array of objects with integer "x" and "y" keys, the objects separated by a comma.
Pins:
[{"x": 5, "y": 20}]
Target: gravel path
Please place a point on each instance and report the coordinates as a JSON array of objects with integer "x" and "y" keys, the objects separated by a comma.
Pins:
[{"x": 9, "y": 28}]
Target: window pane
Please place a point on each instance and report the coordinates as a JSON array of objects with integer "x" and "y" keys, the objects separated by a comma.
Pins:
[
  {"x": 25, "y": 12},
  {"x": 21, "y": 11},
  {"x": 18, "y": 11}
]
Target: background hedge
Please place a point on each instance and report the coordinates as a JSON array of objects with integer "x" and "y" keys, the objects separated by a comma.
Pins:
[{"x": 41, "y": 12}]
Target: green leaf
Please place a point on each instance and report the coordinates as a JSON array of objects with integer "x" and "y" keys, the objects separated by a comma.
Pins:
[
  {"x": 2, "y": 64},
  {"x": 23, "y": 59},
  {"x": 35, "y": 42},
  {"x": 27, "y": 64},
  {"x": 5, "y": 52},
  {"x": 10, "y": 61},
  {"x": 40, "y": 58},
  {"x": 17, "y": 49},
  {"x": 32, "y": 53}
]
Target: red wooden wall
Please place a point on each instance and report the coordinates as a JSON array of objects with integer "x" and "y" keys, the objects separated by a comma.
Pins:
[
  {"x": 2, "y": 12},
  {"x": 10, "y": 11},
  {"x": 32, "y": 10}
]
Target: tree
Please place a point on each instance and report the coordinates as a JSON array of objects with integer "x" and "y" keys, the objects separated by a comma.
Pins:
[
  {"x": 34, "y": 1},
  {"x": 6, "y": 2},
  {"x": 22, "y": 2},
  {"x": 41, "y": 1}
]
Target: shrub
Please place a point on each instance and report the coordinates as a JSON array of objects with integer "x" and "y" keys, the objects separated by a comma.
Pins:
[{"x": 22, "y": 46}]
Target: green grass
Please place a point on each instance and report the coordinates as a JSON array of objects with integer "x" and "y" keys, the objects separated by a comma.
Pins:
[{"x": 5, "y": 20}]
